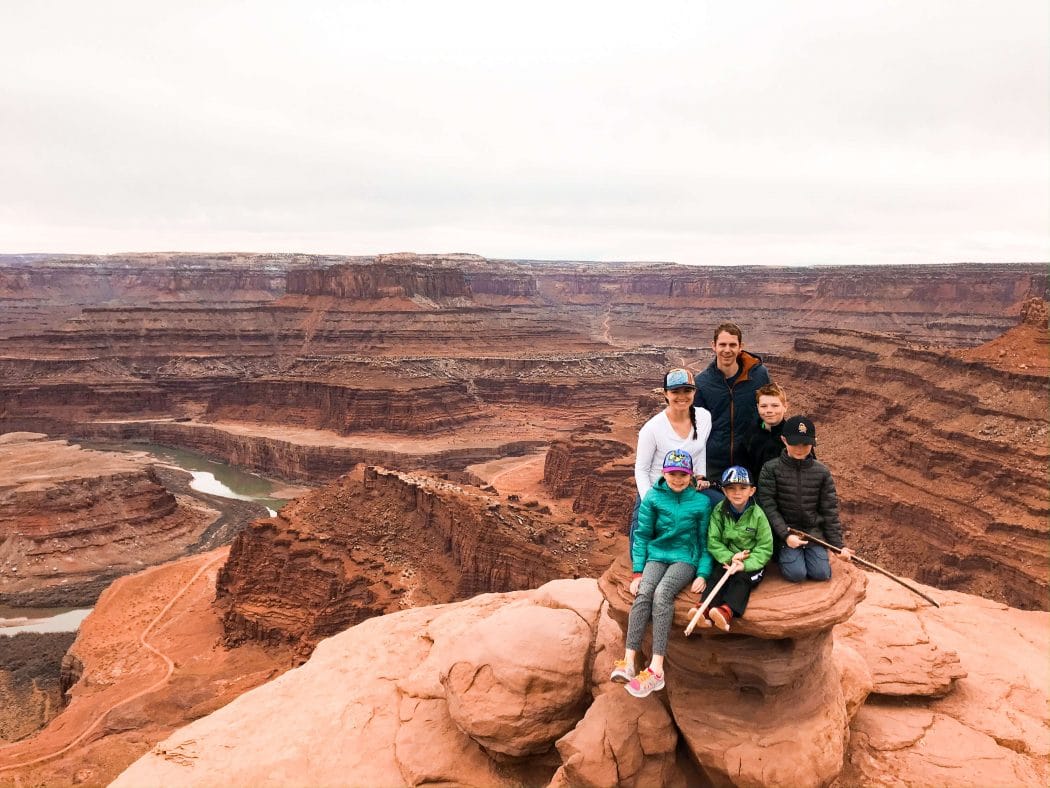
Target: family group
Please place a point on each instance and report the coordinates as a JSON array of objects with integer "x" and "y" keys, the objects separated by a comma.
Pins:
[{"x": 724, "y": 478}]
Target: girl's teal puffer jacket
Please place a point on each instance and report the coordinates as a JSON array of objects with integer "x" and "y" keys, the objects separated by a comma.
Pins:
[{"x": 672, "y": 527}]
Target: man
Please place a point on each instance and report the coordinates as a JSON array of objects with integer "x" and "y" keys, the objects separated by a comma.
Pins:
[{"x": 727, "y": 389}]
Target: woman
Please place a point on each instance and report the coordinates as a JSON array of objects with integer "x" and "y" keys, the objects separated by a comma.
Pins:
[{"x": 678, "y": 426}]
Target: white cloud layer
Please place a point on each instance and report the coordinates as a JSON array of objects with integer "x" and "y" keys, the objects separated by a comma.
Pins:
[{"x": 703, "y": 132}]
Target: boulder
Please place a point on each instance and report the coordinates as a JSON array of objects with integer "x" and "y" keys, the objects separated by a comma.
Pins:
[
  {"x": 519, "y": 680},
  {"x": 763, "y": 704},
  {"x": 621, "y": 741},
  {"x": 894, "y": 643}
]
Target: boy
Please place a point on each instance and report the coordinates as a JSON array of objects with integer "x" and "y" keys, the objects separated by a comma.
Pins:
[
  {"x": 738, "y": 536},
  {"x": 763, "y": 443},
  {"x": 797, "y": 491}
]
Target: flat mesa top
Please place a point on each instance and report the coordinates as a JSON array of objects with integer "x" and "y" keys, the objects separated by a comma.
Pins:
[{"x": 30, "y": 461}]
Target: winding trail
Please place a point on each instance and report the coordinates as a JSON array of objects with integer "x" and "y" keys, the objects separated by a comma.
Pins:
[
  {"x": 527, "y": 461},
  {"x": 169, "y": 669}
]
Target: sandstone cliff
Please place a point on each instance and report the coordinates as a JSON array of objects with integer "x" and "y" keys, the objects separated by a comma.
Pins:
[
  {"x": 72, "y": 519},
  {"x": 381, "y": 541},
  {"x": 510, "y": 689},
  {"x": 940, "y": 462}
]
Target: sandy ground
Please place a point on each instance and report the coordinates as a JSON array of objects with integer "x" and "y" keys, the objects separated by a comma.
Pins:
[{"x": 153, "y": 660}]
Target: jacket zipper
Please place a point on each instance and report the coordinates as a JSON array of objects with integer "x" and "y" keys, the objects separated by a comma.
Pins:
[{"x": 798, "y": 485}]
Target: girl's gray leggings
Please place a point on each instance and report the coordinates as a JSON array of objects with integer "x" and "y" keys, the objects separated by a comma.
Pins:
[{"x": 660, "y": 585}]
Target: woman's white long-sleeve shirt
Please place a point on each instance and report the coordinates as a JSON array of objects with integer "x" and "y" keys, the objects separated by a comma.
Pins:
[{"x": 657, "y": 437}]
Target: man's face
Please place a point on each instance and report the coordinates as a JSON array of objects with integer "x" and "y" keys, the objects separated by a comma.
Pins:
[
  {"x": 771, "y": 409},
  {"x": 727, "y": 348}
]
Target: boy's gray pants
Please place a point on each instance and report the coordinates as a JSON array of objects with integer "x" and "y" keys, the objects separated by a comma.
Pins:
[{"x": 660, "y": 585}]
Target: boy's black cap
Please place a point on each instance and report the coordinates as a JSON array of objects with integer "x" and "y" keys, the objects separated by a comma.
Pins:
[{"x": 798, "y": 430}]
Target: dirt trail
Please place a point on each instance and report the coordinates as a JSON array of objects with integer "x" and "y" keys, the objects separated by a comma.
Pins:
[{"x": 207, "y": 561}]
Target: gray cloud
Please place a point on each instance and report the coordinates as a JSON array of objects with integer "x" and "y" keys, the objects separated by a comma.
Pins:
[{"x": 703, "y": 132}]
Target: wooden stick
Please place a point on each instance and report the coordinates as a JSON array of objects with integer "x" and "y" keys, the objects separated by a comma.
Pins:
[
  {"x": 700, "y": 610},
  {"x": 879, "y": 569}
]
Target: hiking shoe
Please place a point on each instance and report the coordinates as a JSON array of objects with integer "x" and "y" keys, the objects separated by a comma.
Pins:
[
  {"x": 645, "y": 683},
  {"x": 721, "y": 617},
  {"x": 622, "y": 672}
]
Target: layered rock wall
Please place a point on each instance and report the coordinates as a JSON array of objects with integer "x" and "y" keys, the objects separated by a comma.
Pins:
[
  {"x": 365, "y": 546},
  {"x": 71, "y": 520},
  {"x": 940, "y": 463},
  {"x": 344, "y": 409}
]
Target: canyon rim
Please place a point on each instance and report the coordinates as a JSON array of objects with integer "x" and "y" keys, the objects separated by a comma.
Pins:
[{"x": 466, "y": 428}]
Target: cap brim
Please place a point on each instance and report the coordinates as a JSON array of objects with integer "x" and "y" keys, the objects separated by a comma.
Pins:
[{"x": 800, "y": 440}]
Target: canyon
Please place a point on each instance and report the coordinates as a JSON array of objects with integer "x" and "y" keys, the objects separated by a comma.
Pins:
[
  {"x": 469, "y": 425},
  {"x": 72, "y": 519}
]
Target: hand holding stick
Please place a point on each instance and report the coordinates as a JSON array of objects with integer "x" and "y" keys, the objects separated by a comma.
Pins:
[
  {"x": 700, "y": 610},
  {"x": 852, "y": 556}
]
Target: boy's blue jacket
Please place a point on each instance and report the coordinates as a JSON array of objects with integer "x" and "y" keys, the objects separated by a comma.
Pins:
[
  {"x": 727, "y": 536},
  {"x": 672, "y": 527}
]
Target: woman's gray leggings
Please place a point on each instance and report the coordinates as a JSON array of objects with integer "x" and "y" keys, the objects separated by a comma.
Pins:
[{"x": 660, "y": 585}]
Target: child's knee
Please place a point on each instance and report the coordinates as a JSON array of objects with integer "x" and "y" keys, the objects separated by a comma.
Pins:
[
  {"x": 793, "y": 573},
  {"x": 819, "y": 572},
  {"x": 792, "y": 566},
  {"x": 664, "y": 596}
]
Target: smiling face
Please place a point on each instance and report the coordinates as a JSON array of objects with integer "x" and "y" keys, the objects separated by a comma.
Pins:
[
  {"x": 678, "y": 480},
  {"x": 738, "y": 494},
  {"x": 727, "y": 349},
  {"x": 771, "y": 409},
  {"x": 680, "y": 398}
]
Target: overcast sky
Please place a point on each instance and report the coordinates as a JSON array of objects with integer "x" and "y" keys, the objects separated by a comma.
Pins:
[{"x": 700, "y": 132}]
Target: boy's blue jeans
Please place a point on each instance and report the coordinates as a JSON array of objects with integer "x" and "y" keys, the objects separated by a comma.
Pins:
[{"x": 798, "y": 563}]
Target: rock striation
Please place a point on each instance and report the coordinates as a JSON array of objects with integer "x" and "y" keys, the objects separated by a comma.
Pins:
[
  {"x": 940, "y": 461},
  {"x": 72, "y": 519},
  {"x": 379, "y": 541}
]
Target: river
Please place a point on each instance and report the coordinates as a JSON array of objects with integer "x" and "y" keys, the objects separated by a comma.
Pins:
[{"x": 209, "y": 476}]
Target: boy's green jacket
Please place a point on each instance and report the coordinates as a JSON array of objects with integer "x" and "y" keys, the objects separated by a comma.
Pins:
[
  {"x": 672, "y": 527},
  {"x": 726, "y": 537}
]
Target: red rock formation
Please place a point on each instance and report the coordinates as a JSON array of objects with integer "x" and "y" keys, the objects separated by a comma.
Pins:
[
  {"x": 418, "y": 720},
  {"x": 71, "y": 520},
  {"x": 940, "y": 462},
  {"x": 735, "y": 696},
  {"x": 377, "y": 543},
  {"x": 345, "y": 409},
  {"x": 597, "y": 474}
]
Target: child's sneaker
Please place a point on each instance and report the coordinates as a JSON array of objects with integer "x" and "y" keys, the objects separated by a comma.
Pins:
[
  {"x": 721, "y": 617},
  {"x": 622, "y": 672},
  {"x": 645, "y": 683}
]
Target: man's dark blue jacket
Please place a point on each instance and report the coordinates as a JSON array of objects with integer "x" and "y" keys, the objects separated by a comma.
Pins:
[{"x": 734, "y": 411}]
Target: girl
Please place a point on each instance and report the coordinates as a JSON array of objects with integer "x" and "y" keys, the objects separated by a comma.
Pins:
[
  {"x": 669, "y": 551},
  {"x": 677, "y": 426}
]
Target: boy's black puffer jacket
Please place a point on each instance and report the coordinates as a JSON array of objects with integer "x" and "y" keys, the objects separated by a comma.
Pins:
[{"x": 800, "y": 494}]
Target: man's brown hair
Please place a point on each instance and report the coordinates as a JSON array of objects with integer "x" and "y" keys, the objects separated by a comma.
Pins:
[
  {"x": 772, "y": 390},
  {"x": 729, "y": 328}
]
